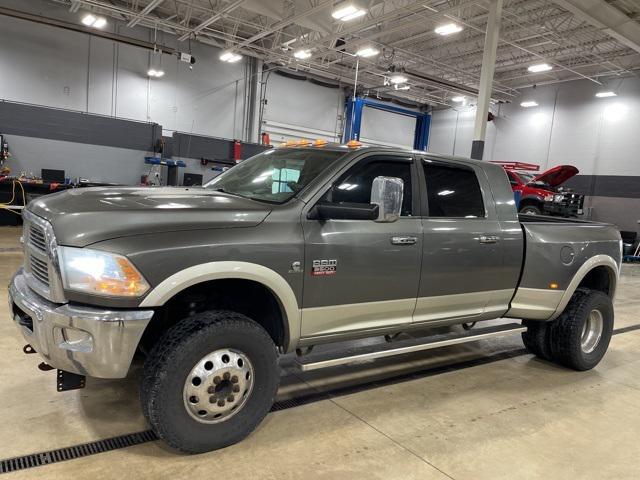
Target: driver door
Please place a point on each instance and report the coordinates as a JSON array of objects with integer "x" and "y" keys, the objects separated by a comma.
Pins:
[{"x": 362, "y": 274}]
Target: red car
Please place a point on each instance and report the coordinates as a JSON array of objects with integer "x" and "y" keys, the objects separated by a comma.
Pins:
[{"x": 542, "y": 193}]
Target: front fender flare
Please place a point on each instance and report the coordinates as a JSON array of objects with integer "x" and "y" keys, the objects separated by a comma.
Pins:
[{"x": 226, "y": 270}]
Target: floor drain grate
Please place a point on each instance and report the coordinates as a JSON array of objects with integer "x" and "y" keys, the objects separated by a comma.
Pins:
[{"x": 76, "y": 451}]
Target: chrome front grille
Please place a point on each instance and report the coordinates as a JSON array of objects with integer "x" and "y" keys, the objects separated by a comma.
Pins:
[
  {"x": 37, "y": 237},
  {"x": 40, "y": 258}
]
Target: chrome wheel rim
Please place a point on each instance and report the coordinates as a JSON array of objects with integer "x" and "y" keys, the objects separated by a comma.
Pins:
[
  {"x": 592, "y": 331},
  {"x": 218, "y": 386}
]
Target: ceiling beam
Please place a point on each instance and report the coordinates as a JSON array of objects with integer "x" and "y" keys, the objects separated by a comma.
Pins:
[
  {"x": 145, "y": 11},
  {"x": 607, "y": 18},
  {"x": 223, "y": 11}
]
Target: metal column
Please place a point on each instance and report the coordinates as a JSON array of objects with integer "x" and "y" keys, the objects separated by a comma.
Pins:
[{"x": 486, "y": 78}]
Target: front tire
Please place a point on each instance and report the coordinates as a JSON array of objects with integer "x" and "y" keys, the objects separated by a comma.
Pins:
[
  {"x": 209, "y": 381},
  {"x": 530, "y": 210},
  {"x": 580, "y": 336}
]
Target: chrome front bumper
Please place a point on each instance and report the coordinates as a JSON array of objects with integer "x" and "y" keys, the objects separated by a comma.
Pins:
[{"x": 87, "y": 341}]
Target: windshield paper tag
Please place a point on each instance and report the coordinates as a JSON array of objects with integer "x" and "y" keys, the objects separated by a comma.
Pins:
[{"x": 324, "y": 267}]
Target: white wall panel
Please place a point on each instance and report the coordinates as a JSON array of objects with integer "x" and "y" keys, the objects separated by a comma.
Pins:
[
  {"x": 303, "y": 104},
  {"x": 387, "y": 128}
]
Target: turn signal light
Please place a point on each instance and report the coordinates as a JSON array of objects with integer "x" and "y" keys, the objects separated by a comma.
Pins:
[{"x": 353, "y": 144}]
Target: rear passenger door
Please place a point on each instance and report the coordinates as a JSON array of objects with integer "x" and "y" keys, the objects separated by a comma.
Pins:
[{"x": 462, "y": 259}]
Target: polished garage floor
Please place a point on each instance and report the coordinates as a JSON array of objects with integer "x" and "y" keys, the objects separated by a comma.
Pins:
[{"x": 485, "y": 410}]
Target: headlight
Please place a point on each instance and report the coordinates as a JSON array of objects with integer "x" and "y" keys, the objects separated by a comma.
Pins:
[
  {"x": 100, "y": 273},
  {"x": 558, "y": 198},
  {"x": 548, "y": 198}
]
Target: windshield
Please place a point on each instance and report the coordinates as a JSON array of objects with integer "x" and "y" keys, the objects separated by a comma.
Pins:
[
  {"x": 526, "y": 177},
  {"x": 274, "y": 175}
]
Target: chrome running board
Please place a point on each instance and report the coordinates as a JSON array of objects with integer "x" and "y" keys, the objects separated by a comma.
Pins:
[{"x": 315, "y": 362}]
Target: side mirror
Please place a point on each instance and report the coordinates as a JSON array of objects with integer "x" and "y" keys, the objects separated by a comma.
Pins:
[
  {"x": 386, "y": 192},
  {"x": 343, "y": 211}
]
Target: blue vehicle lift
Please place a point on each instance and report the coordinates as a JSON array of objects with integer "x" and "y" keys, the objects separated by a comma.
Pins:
[{"x": 353, "y": 120}]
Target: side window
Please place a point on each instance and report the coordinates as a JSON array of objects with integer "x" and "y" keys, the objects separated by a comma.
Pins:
[
  {"x": 355, "y": 185},
  {"x": 453, "y": 191}
]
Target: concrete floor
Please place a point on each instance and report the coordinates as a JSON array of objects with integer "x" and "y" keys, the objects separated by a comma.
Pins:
[{"x": 517, "y": 417}]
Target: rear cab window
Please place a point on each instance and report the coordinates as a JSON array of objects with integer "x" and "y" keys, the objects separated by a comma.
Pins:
[{"x": 453, "y": 191}]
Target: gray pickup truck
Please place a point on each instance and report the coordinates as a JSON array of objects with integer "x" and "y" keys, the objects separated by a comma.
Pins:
[{"x": 296, "y": 247}]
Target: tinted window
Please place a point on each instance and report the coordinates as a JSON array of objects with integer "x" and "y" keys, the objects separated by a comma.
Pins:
[
  {"x": 453, "y": 191},
  {"x": 355, "y": 185},
  {"x": 512, "y": 179}
]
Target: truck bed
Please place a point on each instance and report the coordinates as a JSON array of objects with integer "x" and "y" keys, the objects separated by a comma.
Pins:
[{"x": 554, "y": 250}]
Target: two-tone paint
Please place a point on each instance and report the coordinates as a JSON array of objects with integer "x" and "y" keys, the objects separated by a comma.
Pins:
[{"x": 179, "y": 237}]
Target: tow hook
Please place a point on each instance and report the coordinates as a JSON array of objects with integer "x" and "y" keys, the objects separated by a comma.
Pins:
[
  {"x": 28, "y": 349},
  {"x": 45, "y": 367}
]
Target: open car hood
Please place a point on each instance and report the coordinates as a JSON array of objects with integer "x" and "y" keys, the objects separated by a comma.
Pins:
[{"x": 556, "y": 176}]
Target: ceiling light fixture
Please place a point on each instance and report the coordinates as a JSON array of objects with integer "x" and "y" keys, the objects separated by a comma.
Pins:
[
  {"x": 539, "y": 67},
  {"x": 92, "y": 21},
  {"x": 152, "y": 72},
  {"x": 448, "y": 29},
  {"x": 230, "y": 57},
  {"x": 606, "y": 94},
  {"x": 367, "y": 52},
  {"x": 457, "y": 99},
  {"x": 397, "y": 79},
  {"x": 529, "y": 103},
  {"x": 402, "y": 86},
  {"x": 302, "y": 54},
  {"x": 346, "y": 11}
]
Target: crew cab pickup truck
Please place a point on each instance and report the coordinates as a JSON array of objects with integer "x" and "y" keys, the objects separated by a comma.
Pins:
[{"x": 297, "y": 247}]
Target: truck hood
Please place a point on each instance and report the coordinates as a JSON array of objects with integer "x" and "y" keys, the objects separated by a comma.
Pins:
[
  {"x": 84, "y": 216},
  {"x": 556, "y": 176}
]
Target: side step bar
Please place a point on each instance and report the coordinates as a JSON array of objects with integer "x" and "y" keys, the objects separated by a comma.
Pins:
[{"x": 314, "y": 362}]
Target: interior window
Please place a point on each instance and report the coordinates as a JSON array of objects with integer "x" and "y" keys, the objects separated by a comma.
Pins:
[
  {"x": 453, "y": 191},
  {"x": 355, "y": 185}
]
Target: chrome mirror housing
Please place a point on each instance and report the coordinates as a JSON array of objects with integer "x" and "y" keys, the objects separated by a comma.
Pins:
[{"x": 386, "y": 192}]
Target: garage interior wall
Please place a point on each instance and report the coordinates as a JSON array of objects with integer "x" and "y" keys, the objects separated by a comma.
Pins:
[
  {"x": 58, "y": 68},
  {"x": 298, "y": 108},
  {"x": 569, "y": 126}
]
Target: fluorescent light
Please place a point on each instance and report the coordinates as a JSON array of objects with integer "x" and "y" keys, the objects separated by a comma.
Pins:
[
  {"x": 448, "y": 29},
  {"x": 458, "y": 99},
  {"x": 88, "y": 19},
  {"x": 398, "y": 79},
  {"x": 347, "y": 11},
  {"x": 230, "y": 57},
  {"x": 606, "y": 94},
  {"x": 539, "y": 67},
  {"x": 302, "y": 54},
  {"x": 152, "y": 72},
  {"x": 367, "y": 52},
  {"x": 100, "y": 22},
  {"x": 403, "y": 86},
  {"x": 529, "y": 103}
]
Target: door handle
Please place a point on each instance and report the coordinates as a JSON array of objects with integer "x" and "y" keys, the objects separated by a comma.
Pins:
[
  {"x": 404, "y": 240},
  {"x": 488, "y": 239}
]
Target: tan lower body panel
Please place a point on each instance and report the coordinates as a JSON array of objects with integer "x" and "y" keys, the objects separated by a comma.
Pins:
[
  {"x": 534, "y": 303},
  {"x": 340, "y": 319},
  {"x": 356, "y": 316}
]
